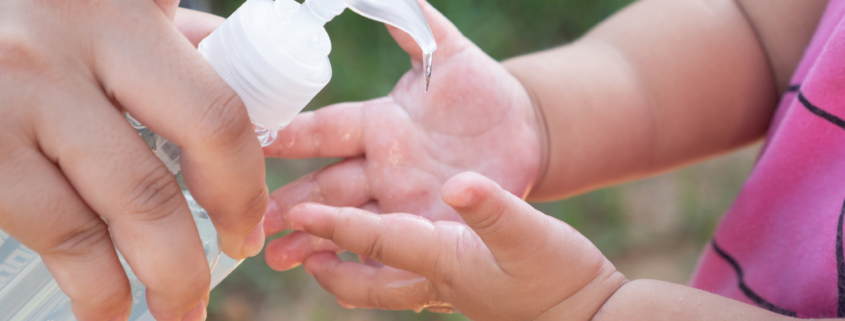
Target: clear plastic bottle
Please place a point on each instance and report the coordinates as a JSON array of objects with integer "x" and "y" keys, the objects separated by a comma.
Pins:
[
  {"x": 274, "y": 54},
  {"x": 29, "y": 292}
]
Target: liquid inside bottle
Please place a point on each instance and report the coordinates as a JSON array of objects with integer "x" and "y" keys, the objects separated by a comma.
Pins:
[{"x": 28, "y": 291}]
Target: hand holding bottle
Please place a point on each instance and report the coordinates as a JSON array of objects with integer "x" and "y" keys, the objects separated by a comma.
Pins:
[
  {"x": 70, "y": 161},
  {"x": 400, "y": 148}
]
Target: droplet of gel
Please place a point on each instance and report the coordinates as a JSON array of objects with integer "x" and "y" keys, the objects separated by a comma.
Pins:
[{"x": 427, "y": 68}]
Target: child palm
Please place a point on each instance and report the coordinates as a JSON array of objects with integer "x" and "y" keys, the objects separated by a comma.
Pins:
[{"x": 400, "y": 149}]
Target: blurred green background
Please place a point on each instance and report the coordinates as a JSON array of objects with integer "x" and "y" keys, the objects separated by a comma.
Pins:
[{"x": 654, "y": 228}]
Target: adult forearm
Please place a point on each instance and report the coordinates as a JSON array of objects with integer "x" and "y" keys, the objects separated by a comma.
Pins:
[{"x": 658, "y": 85}]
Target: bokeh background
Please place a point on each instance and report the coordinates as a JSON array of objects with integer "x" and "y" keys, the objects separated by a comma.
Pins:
[{"x": 653, "y": 228}]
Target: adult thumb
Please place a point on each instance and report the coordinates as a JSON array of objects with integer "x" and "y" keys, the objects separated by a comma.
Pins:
[{"x": 509, "y": 226}]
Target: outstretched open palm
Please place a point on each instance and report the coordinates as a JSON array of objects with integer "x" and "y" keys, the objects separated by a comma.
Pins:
[{"x": 399, "y": 150}]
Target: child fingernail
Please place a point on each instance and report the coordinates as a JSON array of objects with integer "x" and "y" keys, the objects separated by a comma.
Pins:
[
  {"x": 273, "y": 220},
  {"x": 255, "y": 240},
  {"x": 309, "y": 269},
  {"x": 272, "y": 208},
  {"x": 463, "y": 198}
]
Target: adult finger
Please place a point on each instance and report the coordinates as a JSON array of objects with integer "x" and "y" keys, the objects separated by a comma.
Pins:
[
  {"x": 341, "y": 184},
  {"x": 161, "y": 79},
  {"x": 449, "y": 39},
  {"x": 509, "y": 226},
  {"x": 39, "y": 208},
  {"x": 291, "y": 250},
  {"x": 332, "y": 131},
  {"x": 196, "y": 25},
  {"x": 363, "y": 286},
  {"x": 118, "y": 176},
  {"x": 403, "y": 241}
]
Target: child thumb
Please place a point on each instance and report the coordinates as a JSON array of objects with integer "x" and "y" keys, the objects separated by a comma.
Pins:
[{"x": 509, "y": 226}]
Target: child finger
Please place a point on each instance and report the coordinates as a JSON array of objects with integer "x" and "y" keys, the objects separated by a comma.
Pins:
[
  {"x": 509, "y": 226},
  {"x": 332, "y": 131},
  {"x": 290, "y": 251},
  {"x": 363, "y": 286},
  {"x": 340, "y": 184},
  {"x": 403, "y": 241}
]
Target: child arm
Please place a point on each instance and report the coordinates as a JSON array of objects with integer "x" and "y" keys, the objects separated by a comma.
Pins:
[
  {"x": 509, "y": 262},
  {"x": 658, "y": 300},
  {"x": 608, "y": 116},
  {"x": 661, "y": 84}
]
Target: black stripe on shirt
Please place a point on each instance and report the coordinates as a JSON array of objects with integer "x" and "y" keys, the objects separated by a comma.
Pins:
[{"x": 750, "y": 294}]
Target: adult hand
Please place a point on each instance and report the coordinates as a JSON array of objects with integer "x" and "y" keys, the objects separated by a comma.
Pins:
[
  {"x": 400, "y": 149},
  {"x": 510, "y": 262},
  {"x": 70, "y": 162}
]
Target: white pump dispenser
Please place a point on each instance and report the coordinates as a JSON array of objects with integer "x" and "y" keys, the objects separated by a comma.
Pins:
[{"x": 274, "y": 54}]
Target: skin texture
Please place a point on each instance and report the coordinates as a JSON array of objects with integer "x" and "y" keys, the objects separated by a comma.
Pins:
[
  {"x": 400, "y": 149},
  {"x": 661, "y": 84},
  {"x": 503, "y": 254},
  {"x": 510, "y": 262},
  {"x": 69, "y": 161}
]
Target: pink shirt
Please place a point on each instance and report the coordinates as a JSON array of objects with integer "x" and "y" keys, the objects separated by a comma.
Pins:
[{"x": 780, "y": 246}]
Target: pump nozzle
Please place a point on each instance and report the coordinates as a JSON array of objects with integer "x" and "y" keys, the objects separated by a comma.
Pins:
[
  {"x": 274, "y": 54},
  {"x": 403, "y": 14}
]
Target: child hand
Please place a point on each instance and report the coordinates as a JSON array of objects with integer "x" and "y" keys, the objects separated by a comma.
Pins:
[
  {"x": 510, "y": 262},
  {"x": 401, "y": 148}
]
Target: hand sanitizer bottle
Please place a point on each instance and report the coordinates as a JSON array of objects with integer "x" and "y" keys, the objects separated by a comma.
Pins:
[{"x": 274, "y": 54}]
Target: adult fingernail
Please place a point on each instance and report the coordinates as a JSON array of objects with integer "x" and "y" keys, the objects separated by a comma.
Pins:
[
  {"x": 255, "y": 240},
  {"x": 198, "y": 313},
  {"x": 345, "y": 305},
  {"x": 122, "y": 316}
]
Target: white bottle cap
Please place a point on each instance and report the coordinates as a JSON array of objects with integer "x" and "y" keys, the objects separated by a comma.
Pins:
[{"x": 274, "y": 54}]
